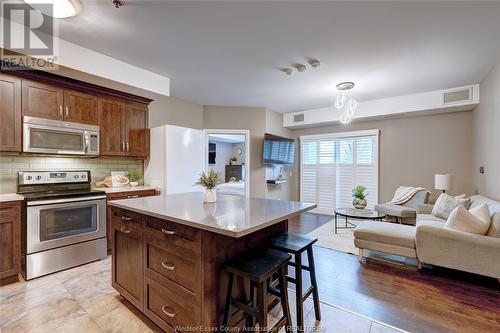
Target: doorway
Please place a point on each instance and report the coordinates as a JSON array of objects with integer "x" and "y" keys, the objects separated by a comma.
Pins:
[{"x": 227, "y": 152}]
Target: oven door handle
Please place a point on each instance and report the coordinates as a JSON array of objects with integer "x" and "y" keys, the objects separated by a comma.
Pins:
[{"x": 56, "y": 201}]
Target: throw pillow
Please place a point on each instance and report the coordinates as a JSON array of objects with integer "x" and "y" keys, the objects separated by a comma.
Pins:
[
  {"x": 445, "y": 204},
  {"x": 475, "y": 221}
]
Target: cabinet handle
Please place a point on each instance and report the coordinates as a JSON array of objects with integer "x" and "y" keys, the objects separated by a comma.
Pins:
[
  {"x": 123, "y": 146},
  {"x": 128, "y": 147},
  {"x": 168, "y": 265},
  {"x": 66, "y": 109},
  {"x": 170, "y": 313},
  {"x": 126, "y": 218},
  {"x": 167, "y": 232},
  {"x": 132, "y": 196},
  {"x": 125, "y": 230},
  {"x": 60, "y": 111}
]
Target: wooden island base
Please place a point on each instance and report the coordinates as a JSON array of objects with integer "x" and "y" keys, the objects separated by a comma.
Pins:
[{"x": 171, "y": 272}]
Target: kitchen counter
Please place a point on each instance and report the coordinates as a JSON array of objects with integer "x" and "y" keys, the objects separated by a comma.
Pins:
[
  {"x": 231, "y": 215},
  {"x": 124, "y": 189},
  {"x": 168, "y": 251},
  {"x": 10, "y": 197}
]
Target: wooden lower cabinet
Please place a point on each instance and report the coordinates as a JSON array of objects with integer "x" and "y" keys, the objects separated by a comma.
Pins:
[
  {"x": 127, "y": 270},
  {"x": 120, "y": 196},
  {"x": 10, "y": 238},
  {"x": 168, "y": 309},
  {"x": 157, "y": 276}
]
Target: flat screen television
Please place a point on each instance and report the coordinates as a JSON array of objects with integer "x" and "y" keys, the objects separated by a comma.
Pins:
[{"x": 278, "y": 150}]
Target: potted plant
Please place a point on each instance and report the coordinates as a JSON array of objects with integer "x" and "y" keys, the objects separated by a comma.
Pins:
[
  {"x": 232, "y": 160},
  {"x": 134, "y": 176},
  {"x": 359, "y": 195},
  {"x": 209, "y": 182}
]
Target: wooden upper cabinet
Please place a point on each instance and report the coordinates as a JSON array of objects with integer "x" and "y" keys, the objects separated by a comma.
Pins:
[
  {"x": 10, "y": 114},
  {"x": 80, "y": 107},
  {"x": 112, "y": 126},
  {"x": 42, "y": 100},
  {"x": 137, "y": 132}
]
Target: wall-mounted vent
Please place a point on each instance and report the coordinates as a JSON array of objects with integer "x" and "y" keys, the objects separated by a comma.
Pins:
[
  {"x": 460, "y": 95},
  {"x": 298, "y": 117}
]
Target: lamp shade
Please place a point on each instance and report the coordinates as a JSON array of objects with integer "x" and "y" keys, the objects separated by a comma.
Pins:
[{"x": 443, "y": 182}]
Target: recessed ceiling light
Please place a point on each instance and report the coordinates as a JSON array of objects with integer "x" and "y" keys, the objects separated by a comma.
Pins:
[
  {"x": 314, "y": 63},
  {"x": 287, "y": 71},
  {"x": 59, "y": 8},
  {"x": 300, "y": 67}
]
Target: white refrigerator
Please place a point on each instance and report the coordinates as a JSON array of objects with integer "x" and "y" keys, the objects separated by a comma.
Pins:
[{"x": 176, "y": 159}]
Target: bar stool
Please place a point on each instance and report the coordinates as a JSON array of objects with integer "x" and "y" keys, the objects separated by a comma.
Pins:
[
  {"x": 296, "y": 244},
  {"x": 257, "y": 266}
]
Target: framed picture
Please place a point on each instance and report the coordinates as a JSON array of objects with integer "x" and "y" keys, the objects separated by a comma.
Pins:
[{"x": 119, "y": 178}]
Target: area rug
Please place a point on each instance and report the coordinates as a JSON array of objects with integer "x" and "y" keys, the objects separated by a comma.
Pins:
[{"x": 343, "y": 241}]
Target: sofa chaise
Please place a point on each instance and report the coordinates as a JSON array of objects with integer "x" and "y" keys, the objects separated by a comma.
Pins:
[{"x": 434, "y": 244}]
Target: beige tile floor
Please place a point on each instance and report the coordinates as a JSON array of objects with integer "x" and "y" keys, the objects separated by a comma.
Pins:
[{"x": 81, "y": 299}]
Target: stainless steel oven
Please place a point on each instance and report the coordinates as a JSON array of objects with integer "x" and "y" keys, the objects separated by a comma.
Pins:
[
  {"x": 59, "y": 137},
  {"x": 65, "y": 221},
  {"x": 54, "y": 223}
]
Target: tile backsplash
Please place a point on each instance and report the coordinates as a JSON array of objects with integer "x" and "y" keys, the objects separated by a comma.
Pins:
[{"x": 99, "y": 167}]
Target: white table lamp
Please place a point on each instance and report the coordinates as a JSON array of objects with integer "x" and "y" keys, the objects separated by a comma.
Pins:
[{"x": 443, "y": 182}]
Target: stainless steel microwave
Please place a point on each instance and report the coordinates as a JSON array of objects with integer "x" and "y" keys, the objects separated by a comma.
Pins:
[{"x": 59, "y": 137}]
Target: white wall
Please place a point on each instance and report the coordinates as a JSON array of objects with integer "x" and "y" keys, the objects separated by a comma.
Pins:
[{"x": 486, "y": 119}]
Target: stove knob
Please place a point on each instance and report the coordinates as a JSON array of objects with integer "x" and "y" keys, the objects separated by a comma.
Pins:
[
  {"x": 76, "y": 176},
  {"x": 84, "y": 176},
  {"x": 38, "y": 177},
  {"x": 28, "y": 177}
]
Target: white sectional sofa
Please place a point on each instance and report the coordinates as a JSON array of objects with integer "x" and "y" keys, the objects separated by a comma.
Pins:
[{"x": 435, "y": 244}]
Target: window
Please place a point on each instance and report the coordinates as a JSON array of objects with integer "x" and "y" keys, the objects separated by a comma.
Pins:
[{"x": 333, "y": 164}]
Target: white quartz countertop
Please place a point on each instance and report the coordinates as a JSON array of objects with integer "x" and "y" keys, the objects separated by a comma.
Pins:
[
  {"x": 124, "y": 189},
  {"x": 10, "y": 197},
  {"x": 231, "y": 215}
]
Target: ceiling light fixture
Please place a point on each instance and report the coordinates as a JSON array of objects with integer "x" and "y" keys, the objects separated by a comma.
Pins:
[
  {"x": 301, "y": 68},
  {"x": 314, "y": 63},
  {"x": 345, "y": 102},
  {"x": 118, "y": 3},
  {"x": 57, "y": 8},
  {"x": 287, "y": 71}
]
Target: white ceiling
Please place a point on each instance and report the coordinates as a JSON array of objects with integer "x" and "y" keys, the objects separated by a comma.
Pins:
[{"x": 227, "y": 53}]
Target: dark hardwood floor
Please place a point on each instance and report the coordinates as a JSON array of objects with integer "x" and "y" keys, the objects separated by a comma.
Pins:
[
  {"x": 307, "y": 222},
  {"x": 430, "y": 300}
]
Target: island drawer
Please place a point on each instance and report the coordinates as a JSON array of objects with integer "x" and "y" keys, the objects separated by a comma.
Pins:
[
  {"x": 174, "y": 267},
  {"x": 126, "y": 217},
  {"x": 175, "y": 233},
  {"x": 168, "y": 309}
]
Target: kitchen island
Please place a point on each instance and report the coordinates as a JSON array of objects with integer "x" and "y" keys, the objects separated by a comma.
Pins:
[{"x": 167, "y": 251}]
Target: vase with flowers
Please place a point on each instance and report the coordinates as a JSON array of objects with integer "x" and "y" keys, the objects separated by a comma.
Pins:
[{"x": 209, "y": 181}]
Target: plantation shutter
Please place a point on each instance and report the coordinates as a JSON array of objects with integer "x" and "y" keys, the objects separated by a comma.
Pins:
[{"x": 333, "y": 164}]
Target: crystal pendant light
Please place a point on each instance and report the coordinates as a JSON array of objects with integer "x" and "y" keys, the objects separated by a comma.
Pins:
[{"x": 345, "y": 103}]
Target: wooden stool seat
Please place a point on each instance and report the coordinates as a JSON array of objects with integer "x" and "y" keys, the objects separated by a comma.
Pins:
[
  {"x": 291, "y": 242},
  {"x": 297, "y": 244},
  {"x": 258, "y": 266}
]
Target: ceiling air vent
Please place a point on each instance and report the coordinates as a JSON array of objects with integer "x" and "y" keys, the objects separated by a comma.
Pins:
[
  {"x": 459, "y": 95},
  {"x": 298, "y": 117}
]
